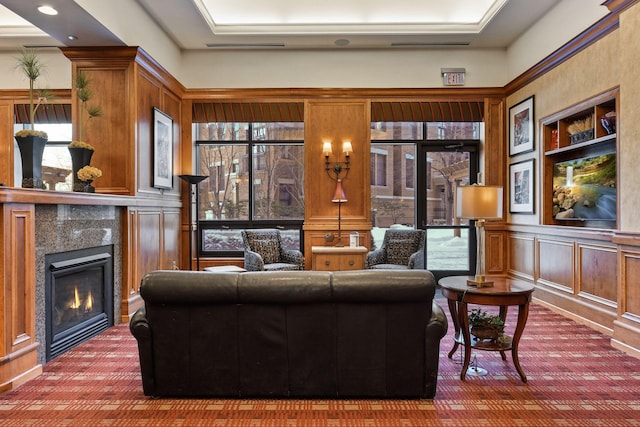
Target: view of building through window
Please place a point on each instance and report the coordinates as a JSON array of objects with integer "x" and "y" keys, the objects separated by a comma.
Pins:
[{"x": 256, "y": 179}]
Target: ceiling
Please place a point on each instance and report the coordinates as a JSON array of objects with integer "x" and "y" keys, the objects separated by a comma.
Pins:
[{"x": 285, "y": 24}]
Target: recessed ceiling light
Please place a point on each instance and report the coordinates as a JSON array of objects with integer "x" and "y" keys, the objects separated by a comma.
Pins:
[
  {"x": 47, "y": 10},
  {"x": 72, "y": 37}
]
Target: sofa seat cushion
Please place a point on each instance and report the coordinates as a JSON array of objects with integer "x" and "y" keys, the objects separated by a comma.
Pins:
[
  {"x": 279, "y": 266},
  {"x": 389, "y": 267}
]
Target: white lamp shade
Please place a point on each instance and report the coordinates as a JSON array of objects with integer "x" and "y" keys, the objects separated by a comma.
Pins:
[{"x": 479, "y": 202}]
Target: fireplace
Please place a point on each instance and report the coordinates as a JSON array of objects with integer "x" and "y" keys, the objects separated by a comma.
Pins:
[{"x": 78, "y": 297}]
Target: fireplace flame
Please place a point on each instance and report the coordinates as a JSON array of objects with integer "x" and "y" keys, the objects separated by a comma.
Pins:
[
  {"x": 76, "y": 299},
  {"x": 88, "y": 304}
]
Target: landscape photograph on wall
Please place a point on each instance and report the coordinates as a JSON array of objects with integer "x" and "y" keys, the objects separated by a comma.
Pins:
[{"x": 585, "y": 188}]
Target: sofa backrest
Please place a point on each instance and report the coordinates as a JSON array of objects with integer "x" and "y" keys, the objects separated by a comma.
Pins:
[{"x": 302, "y": 333}]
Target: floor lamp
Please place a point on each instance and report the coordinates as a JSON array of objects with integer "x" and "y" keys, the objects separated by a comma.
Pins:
[
  {"x": 479, "y": 202},
  {"x": 194, "y": 180},
  {"x": 339, "y": 197}
]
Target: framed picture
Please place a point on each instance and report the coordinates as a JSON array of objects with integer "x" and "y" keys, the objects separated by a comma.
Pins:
[
  {"x": 162, "y": 150},
  {"x": 521, "y": 179},
  {"x": 521, "y": 127}
]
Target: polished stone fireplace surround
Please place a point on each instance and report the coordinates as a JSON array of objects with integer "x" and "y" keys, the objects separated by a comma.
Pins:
[{"x": 61, "y": 228}]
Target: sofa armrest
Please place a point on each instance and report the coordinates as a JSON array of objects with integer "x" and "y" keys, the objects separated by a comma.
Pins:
[
  {"x": 140, "y": 329},
  {"x": 293, "y": 256},
  {"x": 374, "y": 257},
  {"x": 436, "y": 330},
  {"x": 253, "y": 261}
]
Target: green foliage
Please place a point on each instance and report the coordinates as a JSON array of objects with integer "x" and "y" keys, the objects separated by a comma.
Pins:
[
  {"x": 84, "y": 94},
  {"x": 32, "y": 67},
  {"x": 480, "y": 318}
]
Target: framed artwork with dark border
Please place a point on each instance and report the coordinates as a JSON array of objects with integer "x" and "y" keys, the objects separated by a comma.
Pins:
[
  {"x": 521, "y": 186},
  {"x": 162, "y": 150},
  {"x": 521, "y": 122}
]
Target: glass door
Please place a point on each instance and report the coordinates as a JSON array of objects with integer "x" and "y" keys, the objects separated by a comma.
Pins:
[{"x": 450, "y": 241}]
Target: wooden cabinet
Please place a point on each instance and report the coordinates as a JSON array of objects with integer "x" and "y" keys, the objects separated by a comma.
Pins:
[
  {"x": 580, "y": 165},
  {"x": 334, "y": 258}
]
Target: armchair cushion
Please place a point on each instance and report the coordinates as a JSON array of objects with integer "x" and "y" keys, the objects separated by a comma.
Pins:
[
  {"x": 399, "y": 251},
  {"x": 268, "y": 249}
]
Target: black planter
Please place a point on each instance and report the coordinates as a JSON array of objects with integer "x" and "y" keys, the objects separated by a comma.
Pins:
[
  {"x": 80, "y": 157},
  {"x": 31, "y": 150}
]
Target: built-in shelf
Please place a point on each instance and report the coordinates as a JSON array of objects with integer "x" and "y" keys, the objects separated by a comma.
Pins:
[{"x": 579, "y": 165}]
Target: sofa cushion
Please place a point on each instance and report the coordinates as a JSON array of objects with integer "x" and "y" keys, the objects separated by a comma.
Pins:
[
  {"x": 268, "y": 250},
  {"x": 399, "y": 251}
]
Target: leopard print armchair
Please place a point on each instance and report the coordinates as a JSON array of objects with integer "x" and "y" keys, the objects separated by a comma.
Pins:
[
  {"x": 401, "y": 249},
  {"x": 263, "y": 251}
]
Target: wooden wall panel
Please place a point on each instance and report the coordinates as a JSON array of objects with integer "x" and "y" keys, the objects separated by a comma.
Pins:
[
  {"x": 521, "y": 256},
  {"x": 6, "y": 149},
  {"x": 149, "y": 96},
  {"x": 170, "y": 239},
  {"x": 598, "y": 271},
  {"x": 336, "y": 121},
  {"x": 110, "y": 133},
  {"x": 629, "y": 293},
  {"x": 556, "y": 263},
  {"x": 495, "y": 254},
  {"x": 18, "y": 348},
  {"x": 149, "y": 240}
]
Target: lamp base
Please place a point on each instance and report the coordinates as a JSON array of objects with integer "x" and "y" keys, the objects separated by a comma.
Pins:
[{"x": 480, "y": 282}]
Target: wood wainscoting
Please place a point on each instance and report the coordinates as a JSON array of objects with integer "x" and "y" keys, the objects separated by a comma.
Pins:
[{"x": 589, "y": 275}]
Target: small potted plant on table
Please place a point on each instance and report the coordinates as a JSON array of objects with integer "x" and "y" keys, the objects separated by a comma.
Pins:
[{"x": 485, "y": 326}]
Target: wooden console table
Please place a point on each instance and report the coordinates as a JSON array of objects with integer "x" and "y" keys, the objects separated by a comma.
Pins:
[
  {"x": 338, "y": 258},
  {"x": 505, "y": 292}
]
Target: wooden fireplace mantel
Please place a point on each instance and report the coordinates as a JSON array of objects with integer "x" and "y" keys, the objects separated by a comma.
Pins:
[{"x": 142, "y": 216}]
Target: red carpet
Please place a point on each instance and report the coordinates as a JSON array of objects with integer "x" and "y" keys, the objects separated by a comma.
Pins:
[{"x": 575, "y": 379}]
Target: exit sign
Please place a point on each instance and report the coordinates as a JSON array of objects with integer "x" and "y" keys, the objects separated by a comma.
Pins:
[{"x": 453, "y": 76}]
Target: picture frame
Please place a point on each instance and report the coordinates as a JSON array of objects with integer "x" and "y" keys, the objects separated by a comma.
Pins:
[
  {"x": 521, "y": 129},
  {"x": 521, "y": 187},
  {"x": 162, "y": 150}
]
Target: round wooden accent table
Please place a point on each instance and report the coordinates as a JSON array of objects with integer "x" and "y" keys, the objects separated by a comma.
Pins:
[{"x": 505, "y": 292}]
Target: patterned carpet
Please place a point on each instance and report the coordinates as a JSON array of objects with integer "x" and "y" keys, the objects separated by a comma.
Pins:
[{"x": 575, "y": 379}]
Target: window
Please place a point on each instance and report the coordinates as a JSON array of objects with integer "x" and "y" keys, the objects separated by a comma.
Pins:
[
  {"x": 409, "y": 171},
  {"x": 413, "y": 181},
  {"x": 256, "y": 179},
  {"x": 378, "y": 167}
]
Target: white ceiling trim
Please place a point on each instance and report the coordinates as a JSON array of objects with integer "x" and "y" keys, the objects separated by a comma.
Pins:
[{"x": 444, "y": 23}]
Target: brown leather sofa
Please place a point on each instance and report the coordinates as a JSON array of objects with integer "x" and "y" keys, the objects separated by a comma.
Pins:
[{"x": 289, "y": 334}]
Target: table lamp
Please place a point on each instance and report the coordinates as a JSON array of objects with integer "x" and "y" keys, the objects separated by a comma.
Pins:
[{"x": 479, "y": 202}]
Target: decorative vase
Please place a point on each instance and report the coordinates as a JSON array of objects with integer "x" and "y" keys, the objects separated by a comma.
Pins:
[
  {"x": 31, "y": 151},
  {"x": 80, "y": 157},
  {"x": 87, "y": 187}
]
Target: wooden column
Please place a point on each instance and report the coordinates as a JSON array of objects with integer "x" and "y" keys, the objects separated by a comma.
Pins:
[
  {"x": 336, "y": 121},
  {"x": 18, "y": 346}
]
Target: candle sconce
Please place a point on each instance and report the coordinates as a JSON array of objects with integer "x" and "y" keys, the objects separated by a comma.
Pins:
[{"x": 339, "y": 170}]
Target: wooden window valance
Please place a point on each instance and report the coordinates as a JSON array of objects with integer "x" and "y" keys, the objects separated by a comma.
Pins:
[
  {"x": 248, "y": 112},
  {"x": 431, "y": 111},
  {"x": 46, "y": 113}
]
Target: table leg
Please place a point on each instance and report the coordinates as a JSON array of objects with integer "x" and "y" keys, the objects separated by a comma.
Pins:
[
  {"x": 453, "y": 309},
  {"x": 503, "y": 315},
  {"x": 464, "y": 327},
  {"x": 523, "y": 313}
]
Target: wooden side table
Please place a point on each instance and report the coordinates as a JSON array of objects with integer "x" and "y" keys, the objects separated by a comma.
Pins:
[
  {"x": 505, "y": 292},
  {"x": 338, "y": 258}
]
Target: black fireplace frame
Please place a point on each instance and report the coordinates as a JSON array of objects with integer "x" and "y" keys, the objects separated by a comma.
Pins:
[{"x": 69, "y": 262}]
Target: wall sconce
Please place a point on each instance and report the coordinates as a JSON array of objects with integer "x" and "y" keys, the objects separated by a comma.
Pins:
[
  {"x": 337, "y": 170},
  {"x": 479, "y": 202}
]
